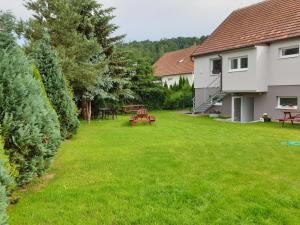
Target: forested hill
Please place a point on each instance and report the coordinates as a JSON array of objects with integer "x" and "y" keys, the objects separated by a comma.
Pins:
[{"x": 153, "y": 50}]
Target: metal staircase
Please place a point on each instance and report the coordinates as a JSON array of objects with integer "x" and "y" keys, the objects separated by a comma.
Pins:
[
  {"x": 210, "y": 102},
  {"x": 211, "y": 99}
]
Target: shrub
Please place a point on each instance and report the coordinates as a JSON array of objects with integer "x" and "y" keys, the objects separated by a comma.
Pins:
[
  {"x": 3, "y": 205},
  {"x": 148, "y": 92},
  {"x": 6, "y": 183},
  {"x": 30, "y": 128},
  {"x": 56, "y": 86},
  {"x": 180, "y": 96}
]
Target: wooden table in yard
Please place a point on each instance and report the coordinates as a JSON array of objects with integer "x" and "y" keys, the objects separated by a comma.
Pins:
[
  {"x": 106, "y": 112},
  {"x": 132, "y": 108},
  {"x": 290, "y": 116},
  {"x": 142, "y": 116}
]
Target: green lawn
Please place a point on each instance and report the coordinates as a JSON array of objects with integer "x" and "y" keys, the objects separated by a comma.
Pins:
[{"x": 182, "y": 170}]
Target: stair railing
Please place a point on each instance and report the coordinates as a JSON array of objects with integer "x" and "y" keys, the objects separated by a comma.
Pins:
[
  {"x": 208, "y": 95},
  {"x": 210, "y": 85}
]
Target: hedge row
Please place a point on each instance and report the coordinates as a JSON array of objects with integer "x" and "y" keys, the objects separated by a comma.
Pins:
[{"x": 36, "y": 110}]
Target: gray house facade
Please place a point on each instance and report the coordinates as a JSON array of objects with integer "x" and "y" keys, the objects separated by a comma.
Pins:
[{"x": 251, "y": 64}]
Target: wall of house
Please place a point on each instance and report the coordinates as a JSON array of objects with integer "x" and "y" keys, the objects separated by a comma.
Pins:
[
  {"x": 283, "y": 71},
  {"x": 171, "y": 80},
  {"x": 268, "y": 77},
  {"x": 203, "y": 77},
  {"x": 262, "y": 68},
  {"x": 242, "y": 81},
  {"x": 268, "y": 102},
  {"x": 254, "y": 79}
]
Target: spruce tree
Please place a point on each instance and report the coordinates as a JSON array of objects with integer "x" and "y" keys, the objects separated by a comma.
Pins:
[
  {"x": 6, "y": 183},
  {"x": 29, "y": 126},
  {"x": 82, "y": 33},
  {"x": 3, "y": 205},
  {"x": 56, "y": 86},
  {"x": 81, "y": 56}
]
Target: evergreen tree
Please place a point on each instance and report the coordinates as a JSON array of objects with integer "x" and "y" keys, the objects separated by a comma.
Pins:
[
  {"x": 6, "y": 183},
  {"x": 56, "y": 86},
  {"x": 143, "y": 85},
  {"x": 3, "y": 205},
  {"x": 71, "y": 33},
  {"x": 81, "y": 31},
  {"x": 29, "y": 126},
  {"x": 118, "y": 59}
]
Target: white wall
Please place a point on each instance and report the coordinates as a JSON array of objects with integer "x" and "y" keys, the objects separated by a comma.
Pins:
[
  {"x": 265, "y": 68},
  {"x": 262, "y": 67},
  {"x": 203, "y": 78},
  {"x": 243, "y": 81},
  {"x": 284, "y": 71},
  {"x": 171, "y": 80}
]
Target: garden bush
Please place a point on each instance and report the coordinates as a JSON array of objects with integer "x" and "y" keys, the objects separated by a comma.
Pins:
[
  {"x": 148, "y": 92},
  {"x": 3, "y": 205},
  {"x": 180, "y": 96},
  {"x": 6, "y": 185},
  {"x": 56, "y": 86},
  {"x": 29, "y": 126}
]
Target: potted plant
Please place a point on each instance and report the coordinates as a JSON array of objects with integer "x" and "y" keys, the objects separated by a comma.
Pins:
[
  {"x": 215, "y": 114},
  {"x": 266, "y": 118}
]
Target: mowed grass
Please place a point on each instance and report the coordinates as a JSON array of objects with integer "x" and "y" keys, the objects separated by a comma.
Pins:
[{"x": 182, "y": 170}]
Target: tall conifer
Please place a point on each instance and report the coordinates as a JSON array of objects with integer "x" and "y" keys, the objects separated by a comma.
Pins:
[
  {"x": 56, "y": 86},
  {"x": 29, "y": 126}
]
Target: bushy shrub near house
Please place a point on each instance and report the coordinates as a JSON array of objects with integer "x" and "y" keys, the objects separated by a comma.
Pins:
[
  {"x": 56, "y": 86},
  {"x": 180, "y": 96},
  {"x": 29, "y": 127},
  {"x": 148, "y": 92}
]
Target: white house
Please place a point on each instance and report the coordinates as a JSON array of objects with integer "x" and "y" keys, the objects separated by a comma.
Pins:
[
  {"x": 173, "y": 65},
  {"x": 250, "y": 65}
]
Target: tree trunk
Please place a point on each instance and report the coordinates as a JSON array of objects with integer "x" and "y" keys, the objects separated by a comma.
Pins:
[{"x": 87, "y": 110}]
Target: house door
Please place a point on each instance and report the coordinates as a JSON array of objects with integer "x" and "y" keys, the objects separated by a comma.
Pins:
[
  {"x": 236, "y": 109},
  {"x": 242, "y": 109}
]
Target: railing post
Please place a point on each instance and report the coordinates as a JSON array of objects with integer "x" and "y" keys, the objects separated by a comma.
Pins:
[{"x": 221, "y": 74}]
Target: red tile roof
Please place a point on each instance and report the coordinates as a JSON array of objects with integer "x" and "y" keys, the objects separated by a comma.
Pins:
[
  {"x": 264, "y": 22},
  {"x": 175, "y": 63}
]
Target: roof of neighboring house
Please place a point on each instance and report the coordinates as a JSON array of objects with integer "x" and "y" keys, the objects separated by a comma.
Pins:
[
  {"x": 175, "y": 63},
  {"x": 264, "y": 22}
]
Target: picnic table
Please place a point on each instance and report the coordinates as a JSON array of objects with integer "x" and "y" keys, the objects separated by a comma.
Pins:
[
  {"x": 290, "y": 116},
  {"x": 132, "y": 108},
  {"x": 106, "y": 112},
  {"x": 142, "y": 115}
]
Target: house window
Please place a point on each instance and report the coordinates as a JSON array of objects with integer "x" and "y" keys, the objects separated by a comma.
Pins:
[
  {"x": 289, "y": 52},
  {"x": 238, "y": 64},
  {"x": 170, "y": 79},
  {"x": 234, "y": 64},
  {"x": 216, "y": 66},
  {"x": 244, "y": 63},
  {"x": 287, "y": 102}
]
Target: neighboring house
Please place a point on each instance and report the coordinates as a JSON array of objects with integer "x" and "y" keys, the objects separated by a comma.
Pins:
[
  {"x": 250, "y": 65},
  {"x": 173, "y": 65}
]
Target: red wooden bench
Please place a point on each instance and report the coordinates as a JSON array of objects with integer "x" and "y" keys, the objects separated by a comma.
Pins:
[
  {"x": 288, "y": 117},
  {"x": 142, "y": 116}
]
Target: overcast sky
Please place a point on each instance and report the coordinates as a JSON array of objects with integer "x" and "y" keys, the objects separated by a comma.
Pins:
[{"x": 156, "y": 19}]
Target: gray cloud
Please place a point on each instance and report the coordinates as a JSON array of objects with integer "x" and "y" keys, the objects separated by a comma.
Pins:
[{"x": 156, "y": 19}]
